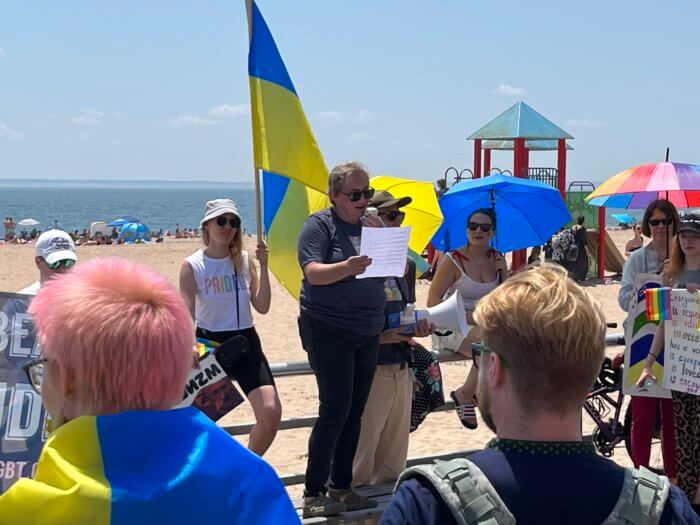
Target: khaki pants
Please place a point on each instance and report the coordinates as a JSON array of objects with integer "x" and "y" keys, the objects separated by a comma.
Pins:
[{"x": 383, "y": 446}]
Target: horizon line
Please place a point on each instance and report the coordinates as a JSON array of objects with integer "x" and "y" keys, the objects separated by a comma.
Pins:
[{"x": 122, "y": 181}]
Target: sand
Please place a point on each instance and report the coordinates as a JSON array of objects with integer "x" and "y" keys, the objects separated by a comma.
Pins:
[{"x": 441, "y": 432}]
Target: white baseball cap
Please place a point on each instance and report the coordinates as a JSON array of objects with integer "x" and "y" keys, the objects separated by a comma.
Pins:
[
  {"x": 217, "y": 207},
  {"x": 55, "y": 245}
]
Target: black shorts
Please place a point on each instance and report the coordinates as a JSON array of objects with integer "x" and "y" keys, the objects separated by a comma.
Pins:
[{"x": 253, "y": 370}]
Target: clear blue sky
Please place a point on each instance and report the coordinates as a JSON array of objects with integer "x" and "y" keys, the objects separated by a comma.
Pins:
[{"x": 159, "y": 89}]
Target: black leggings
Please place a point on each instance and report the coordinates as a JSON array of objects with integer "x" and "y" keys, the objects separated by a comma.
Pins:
[
  {"x": 344, "y": 363},
  {"x": 253, "y": 370}
]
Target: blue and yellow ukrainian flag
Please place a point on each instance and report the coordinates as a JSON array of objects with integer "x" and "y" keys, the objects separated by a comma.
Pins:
[
  {"x": 295, "y": 177},
  {"x": 171, "y": 467}
]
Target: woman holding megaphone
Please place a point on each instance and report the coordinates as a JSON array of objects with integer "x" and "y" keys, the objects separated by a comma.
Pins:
[{"x": 472, "y": 271}]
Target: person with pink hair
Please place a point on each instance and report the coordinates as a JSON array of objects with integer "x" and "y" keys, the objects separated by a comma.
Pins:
[{"x": 117, "y": 344}]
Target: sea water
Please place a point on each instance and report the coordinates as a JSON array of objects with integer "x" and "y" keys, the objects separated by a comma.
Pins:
[{"x": 76, "y": 204}]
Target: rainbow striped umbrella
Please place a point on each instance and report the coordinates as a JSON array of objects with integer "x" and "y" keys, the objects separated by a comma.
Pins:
[{"x": 636, "y": 187}]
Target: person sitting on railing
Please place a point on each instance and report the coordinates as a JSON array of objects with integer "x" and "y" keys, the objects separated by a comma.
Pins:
[
  {"x": 471, "y": 271},
  {"x": 382, "y": 448},
  {"x": 542, "y": 348},
  {"x": 117, "y": 345}
]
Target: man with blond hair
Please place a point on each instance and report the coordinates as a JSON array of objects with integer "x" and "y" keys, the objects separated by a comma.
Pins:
[{"x": 543, "y": 345}]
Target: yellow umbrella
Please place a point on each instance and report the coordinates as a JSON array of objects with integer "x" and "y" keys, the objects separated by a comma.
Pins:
[{"x": 423, "y": 214}]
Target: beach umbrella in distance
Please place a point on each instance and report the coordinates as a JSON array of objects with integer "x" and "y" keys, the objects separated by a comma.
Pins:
[
  {"x": 528, "y": 212},
  {"x": 423, "y": 214},
  {"x": 135, "y": 232},
  {"x": 624, "y": 218},
  {"x": 28, "y": 222},
  {"x": 121, "y": 221}
]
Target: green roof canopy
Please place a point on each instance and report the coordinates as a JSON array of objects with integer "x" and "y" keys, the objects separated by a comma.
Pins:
[
  {"x": 532, "y": 145},
  {"x": 520, "y": 121}
]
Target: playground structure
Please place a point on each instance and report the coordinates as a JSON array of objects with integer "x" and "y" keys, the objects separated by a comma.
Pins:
[{"x": 521, "y": 129}]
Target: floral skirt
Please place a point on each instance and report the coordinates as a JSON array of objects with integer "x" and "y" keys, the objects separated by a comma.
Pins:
[{"x": 427, "y": 385}]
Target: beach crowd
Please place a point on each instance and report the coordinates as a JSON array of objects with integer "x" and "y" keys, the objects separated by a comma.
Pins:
[{"x": 535, "y": 339}]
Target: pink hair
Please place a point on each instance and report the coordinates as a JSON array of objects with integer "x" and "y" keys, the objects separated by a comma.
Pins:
[{"x": 120, "y": 329}]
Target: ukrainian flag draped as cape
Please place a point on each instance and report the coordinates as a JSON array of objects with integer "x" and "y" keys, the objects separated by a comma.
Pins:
[
  {"x": 170, "y": 467},
  {"x": 295, "y": 177}
]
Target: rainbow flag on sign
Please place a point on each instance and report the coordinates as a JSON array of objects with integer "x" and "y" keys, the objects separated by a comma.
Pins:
[
  {"x": 170, "y": 467},
  {"x": 295, "y": 177},
  {"x": 658, "y": 304}
]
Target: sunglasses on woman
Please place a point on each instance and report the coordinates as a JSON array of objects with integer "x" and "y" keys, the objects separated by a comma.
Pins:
[
  {"x": 666, "y": 222},
  {"x": 393, "y": 215},
  {"x": 485, "y": 227},
  {"x": 355, "y": 196},
  {"x": 66, "y": 263},
  {"x": 222, "y": 221}
]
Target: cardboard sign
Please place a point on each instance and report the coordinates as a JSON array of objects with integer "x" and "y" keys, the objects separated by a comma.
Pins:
[
  {"x": 22, "y": 415},
  {"x": 682, "y": 344},
  {"x": 639, "y": 333}
]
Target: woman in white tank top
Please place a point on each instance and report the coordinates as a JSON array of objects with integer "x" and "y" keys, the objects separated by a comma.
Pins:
[
  {"x": 219, "y": 285},
  {"x": 472, "y": 271}
]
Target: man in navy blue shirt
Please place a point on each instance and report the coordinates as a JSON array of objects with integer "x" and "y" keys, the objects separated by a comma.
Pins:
[{"x": 542, "y": 349}]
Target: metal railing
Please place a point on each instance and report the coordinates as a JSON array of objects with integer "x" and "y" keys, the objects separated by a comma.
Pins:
[
  {"x": 298, "y": 368},
  {"x": 549, "y": 176}
]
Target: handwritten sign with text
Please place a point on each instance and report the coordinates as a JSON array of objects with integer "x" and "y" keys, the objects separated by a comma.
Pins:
[
  {"x": 682, "y": 344},
  {"x": 639, "y": 333}
]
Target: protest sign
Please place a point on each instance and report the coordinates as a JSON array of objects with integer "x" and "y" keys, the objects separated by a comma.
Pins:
[
  {"x": 682, "y": 344},
  {"x": 639, "y": 333},
  {"x": 208, "y": 387},
  {"x": 22, "y": 415}
]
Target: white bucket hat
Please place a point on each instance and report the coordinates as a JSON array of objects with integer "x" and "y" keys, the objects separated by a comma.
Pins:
[{"x": 217, "y": 207}]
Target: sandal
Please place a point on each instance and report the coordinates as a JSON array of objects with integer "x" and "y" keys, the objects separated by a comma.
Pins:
[{"x": 466, "y": 413}]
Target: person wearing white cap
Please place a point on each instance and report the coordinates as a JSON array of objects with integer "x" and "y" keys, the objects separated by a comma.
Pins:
[
  {"x": 219, "y": 285},
  {"x": 55, "y": 254}
]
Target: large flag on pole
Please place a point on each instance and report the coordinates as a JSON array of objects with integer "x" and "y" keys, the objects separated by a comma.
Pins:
[{"x": 295, "y": 177}]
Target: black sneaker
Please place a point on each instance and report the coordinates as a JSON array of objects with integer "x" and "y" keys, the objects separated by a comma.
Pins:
[
  {"x": 322, "y": 505},
  {"x": 351, "y": 499}
]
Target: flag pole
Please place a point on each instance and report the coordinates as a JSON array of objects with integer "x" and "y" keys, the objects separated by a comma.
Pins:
[
  {"x": 256, "y": 171},
  {"x": 668, "y": 226}
]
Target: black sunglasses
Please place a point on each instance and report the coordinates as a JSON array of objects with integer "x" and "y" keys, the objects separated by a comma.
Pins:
[
  {"x": 478, "y": 348},
  {"x": 666, "y": 222},
  {"x": 66, "y": 263},
  {"x": 222, "y": 221},
  {"x": 35, "y": 373},
  {"x": 392, "y": 215},
  {"x": 355, "y": 196},
  {"x": 485, "y": 227}
]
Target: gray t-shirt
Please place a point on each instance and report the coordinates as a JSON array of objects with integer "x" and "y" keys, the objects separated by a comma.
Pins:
[
  {"x": 687, "y": 277},
  {"x": 352, "y": 304}
]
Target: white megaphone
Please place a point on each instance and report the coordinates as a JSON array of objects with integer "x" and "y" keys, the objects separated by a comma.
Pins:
[
  {"x": 449, "y": 315},
  {"x": 446, "y": 316}
]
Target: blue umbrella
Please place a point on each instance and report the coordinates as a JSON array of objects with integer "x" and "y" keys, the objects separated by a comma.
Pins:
[
  {"x": 624, "y": 218},
  {"x": 135, "y": 232},
  {"x": 528, "y": 212},
  {"x": 121, "y": 221}
]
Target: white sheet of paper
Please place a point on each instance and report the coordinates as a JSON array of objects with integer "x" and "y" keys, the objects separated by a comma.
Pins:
[{"x": 388, "y": 249}]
